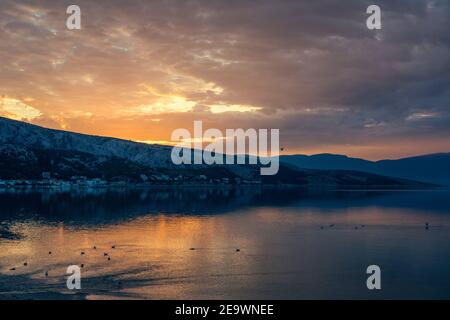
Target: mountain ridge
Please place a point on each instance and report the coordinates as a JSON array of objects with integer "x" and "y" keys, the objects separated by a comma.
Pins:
[
  {"x": 27, "y": 151},
  {"x": 22, "y": 133},
  {"x": 431, "y": 168}
]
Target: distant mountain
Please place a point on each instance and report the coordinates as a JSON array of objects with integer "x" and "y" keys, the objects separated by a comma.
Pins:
[
  {"x": 27, "y": 151},
  {"x": 433, "y": 168}
]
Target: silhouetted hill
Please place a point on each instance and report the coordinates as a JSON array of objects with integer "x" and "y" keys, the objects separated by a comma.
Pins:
[
  {"x": 27, "y": 151},
  {"x": 432, "y": 168}
]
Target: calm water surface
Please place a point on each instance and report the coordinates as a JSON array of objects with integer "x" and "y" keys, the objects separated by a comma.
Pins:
[{"x": 288, "y": 248}]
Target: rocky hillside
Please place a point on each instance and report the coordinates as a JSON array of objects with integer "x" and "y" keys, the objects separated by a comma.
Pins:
[
  {"x": 35, "y": 137},
  {"x": 29, "y": 152}
]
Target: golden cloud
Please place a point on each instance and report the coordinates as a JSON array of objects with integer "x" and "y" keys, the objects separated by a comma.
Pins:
[{"x": 18, "y": 110}]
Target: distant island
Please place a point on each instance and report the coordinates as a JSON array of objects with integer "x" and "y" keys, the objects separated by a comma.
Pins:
[{"x": 33, "y": 156}]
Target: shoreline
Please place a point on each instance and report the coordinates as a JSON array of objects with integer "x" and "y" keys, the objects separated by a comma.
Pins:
[{"x": 112, "y": 186}]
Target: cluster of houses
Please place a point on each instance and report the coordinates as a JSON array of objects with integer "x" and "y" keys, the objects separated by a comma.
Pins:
[{"x": 155, "y": 179}]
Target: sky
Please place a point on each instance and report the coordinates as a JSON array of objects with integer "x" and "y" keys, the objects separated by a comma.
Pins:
[{"x": 138, "y": 70}]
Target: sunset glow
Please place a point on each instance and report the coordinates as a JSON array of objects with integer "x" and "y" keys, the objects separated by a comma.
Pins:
[{"x": 138, "y": 72}]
